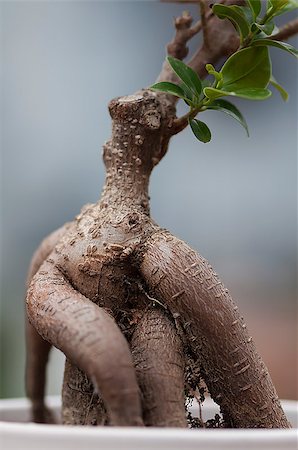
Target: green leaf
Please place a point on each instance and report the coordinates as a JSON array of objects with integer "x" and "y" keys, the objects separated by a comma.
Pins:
[
  {"x": 255, "y": 6},
  {"x": 247, "y": 68},
  {"x": 248, "y": 93},
  {"x": 231, "y": 110},
  {"x": 200, "y": 130},
  {"x": 254, "y": 93},
  {"x": 274, "y": 5},
  {"x": 245, "y": 12},
  {"x": 270, "y": 42},
  {"x": 281, "y": 90},
  {"x": 213, "y": 93},
  {"x": 268, "y": 28},
  {"x": 236, "y": 16},
  {"x": 187, "y": 75},
  {"x": 169, "y": 88},
  {"x": 278, "y": 7},
  {"x": 187, "y": 92}
]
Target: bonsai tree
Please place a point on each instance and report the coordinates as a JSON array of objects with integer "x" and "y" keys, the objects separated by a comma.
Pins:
[{"x": 143, "y": 319}]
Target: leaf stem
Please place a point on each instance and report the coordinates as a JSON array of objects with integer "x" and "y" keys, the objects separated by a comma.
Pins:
[{"x": 180, "y": 123}]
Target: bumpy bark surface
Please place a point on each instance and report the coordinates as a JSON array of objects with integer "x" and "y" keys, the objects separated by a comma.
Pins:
[{"x": 131, "y": 306}]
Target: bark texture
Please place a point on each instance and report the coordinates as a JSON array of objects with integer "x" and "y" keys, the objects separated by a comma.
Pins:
[
  {"x": 132, "y": 307},
  {"x": 114, "y": 261},
  {"x": 235, "y": 374},
  {"x": 37, "y": 348},
  {"x": 160, "y": 363}
]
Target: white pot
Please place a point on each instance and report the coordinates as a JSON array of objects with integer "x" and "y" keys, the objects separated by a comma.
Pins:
[{"x": 17, "y": 435}]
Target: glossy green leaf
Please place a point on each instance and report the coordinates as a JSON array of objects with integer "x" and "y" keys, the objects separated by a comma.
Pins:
[
  {"x": 213, "y": 93},
  {"x": 268, "y": 28},
  {"x": 231, "y": 110},
  {"x": 254, "y": 93},
  {"x": 236, "y": 16},
  {"x": 255, "y": 6},
  {"x": 187, "y": 92},
  {"x": 246, "y": 11},
  {"x": 200, "y": 130},
  {"x": 248, "y": 68},
  {"x": 277, "y": 7},
  {"x": 248, "y": 93},
  {"x": 276, "y": 4},
  {"x": 281, "y": 90},
  {"x": 169, "y": 88},
  {"x": 270, "y": 42},
  {"x": 187, "y": 75}
]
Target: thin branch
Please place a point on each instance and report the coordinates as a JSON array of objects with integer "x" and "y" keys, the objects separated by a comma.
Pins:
[
  {"x": 221, "y": 42},
  {"x": 181, "y": 122},
  {"x": 288, "y": 30},
  {"x": 196, "y": 28},
  {"x": 203, "y": 10},
  {"x": 184, "y": 32},
  {"x": 178, "y": 46}
]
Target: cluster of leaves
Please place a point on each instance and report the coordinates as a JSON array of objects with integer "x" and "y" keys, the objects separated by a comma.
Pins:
[{"x": 246, "y": 74}]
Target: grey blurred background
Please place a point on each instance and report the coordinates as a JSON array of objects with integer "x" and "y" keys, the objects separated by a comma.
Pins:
[{"x": 234, "y": 199}]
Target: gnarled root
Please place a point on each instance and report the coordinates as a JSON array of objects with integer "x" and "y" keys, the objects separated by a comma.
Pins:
[
  {"x": 234, "y": 372},
  {"x": 90, "y": 338},
  {"x": 81, "y": 404},
  {"x": 37, "y": 348},
  {"x": 159, "y": 361}
]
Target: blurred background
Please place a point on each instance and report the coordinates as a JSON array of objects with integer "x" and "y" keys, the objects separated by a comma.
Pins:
[{"x": 234, "y": 199}]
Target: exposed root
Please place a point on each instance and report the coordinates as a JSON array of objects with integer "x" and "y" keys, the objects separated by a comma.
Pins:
[{"x": 141, "y": 317}]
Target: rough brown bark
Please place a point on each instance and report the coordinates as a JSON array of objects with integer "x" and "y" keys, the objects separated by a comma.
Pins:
[
  {"x": 159, "y": 361},
  {"x": 236, "y": 377},
  {"x": 37, "y": 348},
  {"x": 81, "y": 404},
  {"x": 106, "y": 261},
  {"x": 88, "y": 336},
  {"x": 95, "y": 286}
]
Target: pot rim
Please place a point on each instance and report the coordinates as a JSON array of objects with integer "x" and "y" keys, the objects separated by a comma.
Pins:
[{"x": 30, "y": 436}]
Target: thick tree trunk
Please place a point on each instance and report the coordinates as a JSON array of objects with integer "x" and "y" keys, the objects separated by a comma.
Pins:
[
  {"x": 115, "y": 261},
  {"x": 131, "y": 306}
]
